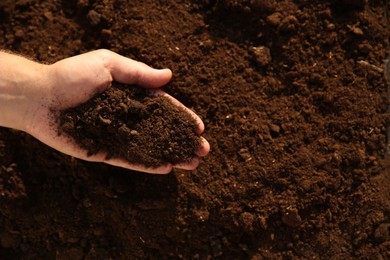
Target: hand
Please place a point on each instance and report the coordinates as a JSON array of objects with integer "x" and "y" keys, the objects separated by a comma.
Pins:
[{"x": 75, "y": 80}]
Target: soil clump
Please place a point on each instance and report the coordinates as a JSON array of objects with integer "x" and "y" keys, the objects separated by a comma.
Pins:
[{"x": 125, "y": 122}]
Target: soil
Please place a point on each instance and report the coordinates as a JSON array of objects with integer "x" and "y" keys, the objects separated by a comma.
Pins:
[
  {"x": 294, "y": 101},
  {"x": 125, "y": 122}
]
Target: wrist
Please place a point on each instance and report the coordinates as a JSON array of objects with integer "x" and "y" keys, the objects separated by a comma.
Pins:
[{"x": 21, "y": 90}]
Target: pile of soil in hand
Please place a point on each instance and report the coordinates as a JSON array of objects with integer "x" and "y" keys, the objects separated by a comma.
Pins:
[{"x": 125, "y": 122}]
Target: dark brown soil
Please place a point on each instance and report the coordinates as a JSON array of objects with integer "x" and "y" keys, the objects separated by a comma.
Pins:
[
  {"x": 294, "y": 101},
  {"x": 127, "y": 123}
]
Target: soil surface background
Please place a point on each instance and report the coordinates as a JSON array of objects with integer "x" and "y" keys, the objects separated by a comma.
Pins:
[{"x": 294, "y": 102}]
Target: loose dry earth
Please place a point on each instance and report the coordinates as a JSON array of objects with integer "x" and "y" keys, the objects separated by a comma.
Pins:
[
  {"x": 294, "y": 103},
  {"x": 129, "y": 123}
]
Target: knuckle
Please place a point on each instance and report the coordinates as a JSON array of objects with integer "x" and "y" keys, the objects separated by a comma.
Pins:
[{"x": 105, "y": 56}]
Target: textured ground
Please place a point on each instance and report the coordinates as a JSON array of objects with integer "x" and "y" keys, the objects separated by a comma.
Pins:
[{"x": 294, "y": 103}]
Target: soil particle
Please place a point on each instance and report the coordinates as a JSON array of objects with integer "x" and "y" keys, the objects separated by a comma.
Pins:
[
  {"x": 82, "y": 3},
  {"x": 355, "y": 30},
  {"x": 11, "y": 184},
  {"x": 19, "y": 33},
  {"x": 288, "y": 23},
  {"x": 365, "y": 48},
  {"x": 127, "y": 123},
  {"x": 291, "y": 218},
  {"x": 275, "y": 19},
  {"x": 274, "y": 128},
  {"x": 382, "y": 233},
  {"x": 94, "y": 17},
  {"x": 262, "y": 55},
  {"x": 48, "y": 15},
  {"x": 247, "y": 220},
  {"x": 106, "y": 33}
]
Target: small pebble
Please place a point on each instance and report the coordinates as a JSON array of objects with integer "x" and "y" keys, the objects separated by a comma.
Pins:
[
  {"x": 19, "y": 33},
  {"x": 288, "y": 23},
  {"x": 87, "y": 203},
  {"x": 291, "y": 218},
  {"x": 106, "y": 32},
  {"x": 105, "y": 120},
  {"x": 274, "y": 19},
  {"x": 94, "y": 17},
  {"x": 48, "y": 15},
  {"x": 262, "y": 55},
  {"x": 274, "y": 128},
  {"x": 82, "y": 3},
  {"x": 355, "y": 30},
  {"x": 331, "y": 27}
]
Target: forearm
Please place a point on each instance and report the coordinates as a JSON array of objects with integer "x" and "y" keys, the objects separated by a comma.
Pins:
[{"x": 20, "y": 84}]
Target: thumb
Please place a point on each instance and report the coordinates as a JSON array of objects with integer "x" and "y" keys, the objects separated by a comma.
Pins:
[{"x": 129, "y": 71}]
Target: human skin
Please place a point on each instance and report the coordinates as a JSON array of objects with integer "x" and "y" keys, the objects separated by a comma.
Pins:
[{"x": 31, "y": 94}]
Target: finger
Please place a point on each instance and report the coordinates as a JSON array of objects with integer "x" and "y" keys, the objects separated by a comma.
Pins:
[
  {"x": 129, "y": 71},
  {"x": 204, "y": 148},
  {"x": 199, "y": 123},
  {"x": 163, "y": 169},
  {"x": 189, "y": 166}
]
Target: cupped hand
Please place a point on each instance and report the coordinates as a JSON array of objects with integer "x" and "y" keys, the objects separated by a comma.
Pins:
[{"x": 73, "y": 81}]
